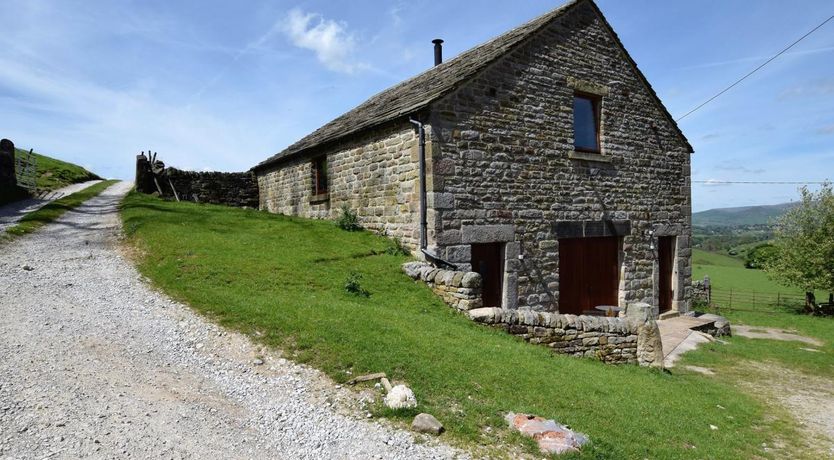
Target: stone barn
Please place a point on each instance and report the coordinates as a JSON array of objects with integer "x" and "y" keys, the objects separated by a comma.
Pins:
[{"x": 541, "y": 159}]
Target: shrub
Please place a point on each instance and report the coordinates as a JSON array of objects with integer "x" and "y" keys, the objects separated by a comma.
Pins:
[
  {"x": 353, "y": 285},
  {"x": 348, "y": 220}
]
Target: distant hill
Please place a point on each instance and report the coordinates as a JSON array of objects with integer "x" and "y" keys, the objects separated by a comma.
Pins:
[{"x": 745, "y": 215}]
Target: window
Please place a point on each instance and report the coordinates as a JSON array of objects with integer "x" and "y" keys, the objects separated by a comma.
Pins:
[
  {"x": 320, "y": 176},
  {"x": 586, "y": 123}
]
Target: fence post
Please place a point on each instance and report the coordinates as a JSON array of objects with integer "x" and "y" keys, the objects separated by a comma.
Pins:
[
  {"x": 754, "y": 299},
  {"x": 778, "y": 299}
]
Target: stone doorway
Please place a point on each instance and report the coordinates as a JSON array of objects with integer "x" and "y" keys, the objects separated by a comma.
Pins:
[
  {"x": 665, "y": 268},
  {"x": 588, "y": 274},
  {"x": 488, "y": 261}
]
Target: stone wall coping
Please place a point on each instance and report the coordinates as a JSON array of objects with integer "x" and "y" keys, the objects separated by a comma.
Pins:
[
  {"x": 527, "y": 317},
  {"x": 429, "y": 274}
]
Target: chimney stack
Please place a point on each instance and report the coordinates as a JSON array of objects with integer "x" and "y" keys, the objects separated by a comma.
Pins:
[{"x": 438, "y": 51}]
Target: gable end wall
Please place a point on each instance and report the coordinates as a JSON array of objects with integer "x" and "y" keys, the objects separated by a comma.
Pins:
[{"x": 501, "y": 153}]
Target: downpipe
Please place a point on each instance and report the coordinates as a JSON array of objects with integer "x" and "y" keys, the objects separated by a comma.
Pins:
[{"x": 421, "y": 134}]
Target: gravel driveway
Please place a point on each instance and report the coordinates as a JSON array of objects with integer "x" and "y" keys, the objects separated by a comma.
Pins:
[{"x": 95, "y": 363}]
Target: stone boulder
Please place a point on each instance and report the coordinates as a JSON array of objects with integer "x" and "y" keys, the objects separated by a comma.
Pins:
[{"x": 426, "y": 423}]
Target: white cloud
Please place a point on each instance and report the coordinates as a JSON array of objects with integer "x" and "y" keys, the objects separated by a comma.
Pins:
[{"x": 330, "y": 40}]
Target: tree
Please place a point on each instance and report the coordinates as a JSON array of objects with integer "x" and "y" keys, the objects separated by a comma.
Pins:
[
  {"x": 805, "y": 245},
  {"x": 759, "y": 256}
]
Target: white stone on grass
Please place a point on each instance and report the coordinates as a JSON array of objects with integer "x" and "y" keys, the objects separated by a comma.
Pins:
[{"x": 400, "y": 397}]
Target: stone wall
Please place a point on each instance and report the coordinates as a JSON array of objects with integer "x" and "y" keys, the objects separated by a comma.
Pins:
[
  {"x": 700, "y": 293},
  {"x": 239, "y": 189},
  {"x": 504, "y": 164},
  {"x": 460, "y": 290},
  {"x": 620, "y": 340},
  {"x": 375, "y": 174}
]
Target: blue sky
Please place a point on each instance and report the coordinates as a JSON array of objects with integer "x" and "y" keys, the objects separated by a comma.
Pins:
[{"x": 222, "y": 85}]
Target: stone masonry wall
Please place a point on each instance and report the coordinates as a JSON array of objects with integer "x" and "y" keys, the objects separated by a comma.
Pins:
[
  {"x": 238, "y": 189},
  {"x": 612, "y": 340},
  {"x": 620, "y": 340},
  {"x": 376, "y": 175},
  {"x": 232, "y": 189},
  {"x": 633, "y": 338},
  {"x": 460, "y": 290},
  {"x": 505, "y": 168}
]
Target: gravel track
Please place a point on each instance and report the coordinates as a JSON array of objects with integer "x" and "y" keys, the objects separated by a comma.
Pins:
[
  {"x": 11, "y": 213},
  {"x": 94, "y": 363}
]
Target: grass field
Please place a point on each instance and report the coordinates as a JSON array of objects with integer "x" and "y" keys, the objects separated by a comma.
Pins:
[
  {"x": 735, "y": 286},
  {"x": 37, "y": 219},
  {"x": 284, "y": 278}
]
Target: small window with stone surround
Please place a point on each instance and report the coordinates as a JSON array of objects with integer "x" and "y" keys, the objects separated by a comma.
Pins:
[
  {"x": 586, "y": 115},
  {"x": 319, "y": 173}
]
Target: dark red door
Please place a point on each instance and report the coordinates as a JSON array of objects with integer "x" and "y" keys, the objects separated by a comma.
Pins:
[
  {"x": 665, "y": 262},
  {"x": 488, "y": 260},
  {"x": 589, "y": 273}
]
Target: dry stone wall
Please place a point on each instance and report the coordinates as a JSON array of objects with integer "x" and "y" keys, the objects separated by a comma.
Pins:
[
  {"x": 375, "y": 175},
  {"x": 239, "y": 189},
  {"x": 503, "y": 158},
  {"x": 620, "y": 340},
  {"x": 460, "y": 290}
]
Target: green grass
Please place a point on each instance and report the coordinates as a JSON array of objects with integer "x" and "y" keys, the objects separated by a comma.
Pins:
[
  {"x": 53, "y": 173},
  {"x": 37, "y": 219},
  {"x": 284, "y": 278},
  {"x": 728, "y": 273}
]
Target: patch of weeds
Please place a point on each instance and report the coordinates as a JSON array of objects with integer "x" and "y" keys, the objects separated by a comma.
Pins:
[
  {"x": 353, "y": 285},
  {"x": 348, "y": 221},
  {"x": 397, "y": 248}
]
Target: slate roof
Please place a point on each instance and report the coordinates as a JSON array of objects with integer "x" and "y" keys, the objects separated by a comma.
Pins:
[{"x": 418, "y": 92}]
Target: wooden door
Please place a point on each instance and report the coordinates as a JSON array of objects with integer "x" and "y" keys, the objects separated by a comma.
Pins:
[
  {"x": 665, "y": 265},
  {"x": 488, "y": 260},
  {"x": 589, "y": 273}
]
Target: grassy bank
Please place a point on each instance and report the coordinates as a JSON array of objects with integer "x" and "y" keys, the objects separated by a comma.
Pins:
[
  {"x": 53, "y": 174},
  {"x": 284, "y": 278},
  {"x": 37, "y": 219}
]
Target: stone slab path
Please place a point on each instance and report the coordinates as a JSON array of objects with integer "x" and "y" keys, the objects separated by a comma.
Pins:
[
  {"x": 13, "y": 212},
  {"x": 95, "y": 363},
  {"x": 677, "y": 336}
]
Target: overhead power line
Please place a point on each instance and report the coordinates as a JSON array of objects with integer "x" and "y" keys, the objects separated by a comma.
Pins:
[
  {"x": 728, "y": 182},
  {"x": 755, "y": 70}
]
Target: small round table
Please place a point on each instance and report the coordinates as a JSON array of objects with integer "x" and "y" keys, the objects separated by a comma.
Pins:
[{"x": 610, "y": 310}]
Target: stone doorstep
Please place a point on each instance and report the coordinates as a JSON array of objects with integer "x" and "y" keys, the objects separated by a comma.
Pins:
[{"x": 678, "y": 336}]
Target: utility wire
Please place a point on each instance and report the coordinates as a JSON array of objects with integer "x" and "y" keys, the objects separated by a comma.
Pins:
[
  {"x": 723, "y": 182},
  {"x": 755, "y": 70}
]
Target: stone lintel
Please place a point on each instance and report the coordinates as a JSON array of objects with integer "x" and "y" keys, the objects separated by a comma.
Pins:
[
  {"x": 487, "y": 233},
  {"x": 590, "y": 228}
]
